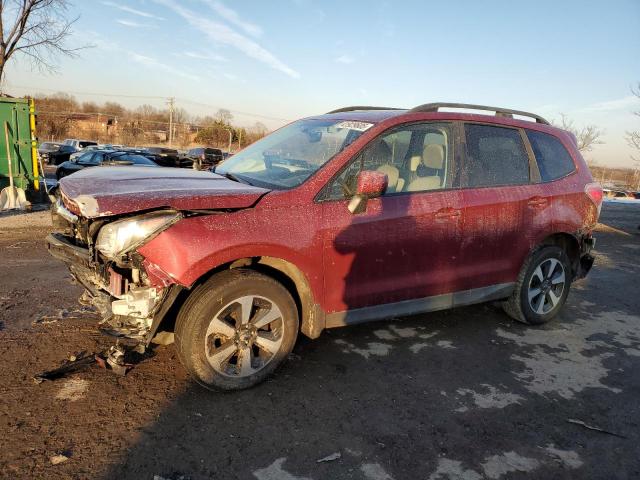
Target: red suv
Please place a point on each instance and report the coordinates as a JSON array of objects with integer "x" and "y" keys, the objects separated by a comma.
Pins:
[{"x": 360, "y": 214}]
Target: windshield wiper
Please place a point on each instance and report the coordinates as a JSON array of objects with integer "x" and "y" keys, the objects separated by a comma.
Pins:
[{"x": 235, "y": 178}]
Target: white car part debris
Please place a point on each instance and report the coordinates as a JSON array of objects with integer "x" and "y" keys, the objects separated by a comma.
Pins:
[{"x": 138, "y": 303}]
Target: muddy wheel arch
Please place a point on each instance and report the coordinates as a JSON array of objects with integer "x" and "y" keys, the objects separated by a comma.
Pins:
[{"x": 312, "y": 317}]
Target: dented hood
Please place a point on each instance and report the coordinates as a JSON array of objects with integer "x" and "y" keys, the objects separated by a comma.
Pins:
[{"x": 104, "y": 191}]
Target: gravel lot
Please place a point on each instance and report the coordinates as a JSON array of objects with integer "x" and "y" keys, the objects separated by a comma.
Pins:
[{"x": 464, "y": 394}]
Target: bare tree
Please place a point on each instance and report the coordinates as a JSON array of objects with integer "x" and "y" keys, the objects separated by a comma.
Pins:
[
  {"x": 223, "y": 115},
  {"x": 37, "y": 29},
  {"x": 633, "y": 137},
  {"x": 587, "y": 137}
]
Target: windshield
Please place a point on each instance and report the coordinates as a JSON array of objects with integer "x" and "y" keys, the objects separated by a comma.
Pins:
[{"x": 289, "y": 156}]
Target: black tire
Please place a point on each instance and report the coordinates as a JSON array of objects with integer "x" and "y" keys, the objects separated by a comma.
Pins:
[
  {"x": 208, "y": 303},
  {"x": 520, "y": 307}
]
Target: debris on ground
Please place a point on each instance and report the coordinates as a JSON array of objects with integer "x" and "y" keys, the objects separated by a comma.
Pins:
[
  {"x": 72, "y": 364},
  {"x": 58, "y": 459},
  {"x": 118, "y": 358},
  {"x": 591, "y": 427},
  {"x": 65, "y": 314},
  {"x": 330, "y": 458},
  {"x": 163, "y": 338}
]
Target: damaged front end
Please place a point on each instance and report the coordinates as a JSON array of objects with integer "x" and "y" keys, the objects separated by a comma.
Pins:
[{"x": 131, "y": 294}]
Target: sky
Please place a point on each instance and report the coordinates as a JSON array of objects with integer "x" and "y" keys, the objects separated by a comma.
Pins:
[{"x": 279, "y": 60}]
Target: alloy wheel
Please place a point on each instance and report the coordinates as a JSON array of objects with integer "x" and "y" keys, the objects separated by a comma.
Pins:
[
  {"x": 244, "y": 336},
  {"x": 546, "y": 286}
]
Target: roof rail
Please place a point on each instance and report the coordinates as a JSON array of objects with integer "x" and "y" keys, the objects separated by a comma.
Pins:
[
  {"x": 500, "y": 112},
  {"x": 351, "y": 109}
]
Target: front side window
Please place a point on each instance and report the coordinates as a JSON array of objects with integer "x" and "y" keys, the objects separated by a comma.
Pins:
[
  {"x": 495, "y": 156},
  {"x": 415, "y": 158},
  {"x": 289, "y": 156},
  {"x": 552, "y": 158}
]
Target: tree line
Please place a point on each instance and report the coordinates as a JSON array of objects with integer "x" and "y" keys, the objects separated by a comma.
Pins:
[{"x": 63, "y": 116}]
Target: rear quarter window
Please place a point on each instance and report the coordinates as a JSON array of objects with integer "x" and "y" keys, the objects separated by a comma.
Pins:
[{"x": 552, "y": 158}]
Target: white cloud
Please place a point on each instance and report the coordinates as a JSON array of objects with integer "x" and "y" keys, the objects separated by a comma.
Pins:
[
  {"x": 156, "y": 64},
  {"x": 132, "y": 11},
  {"x": 132, "y": 24},
  {"x": 205, "y": 56},
  {"x": 345, "y": 59},
  {"x": 224, "y": 34},
  {"x": 232, "y": 16},
  {"x": 626, "y": 103}
]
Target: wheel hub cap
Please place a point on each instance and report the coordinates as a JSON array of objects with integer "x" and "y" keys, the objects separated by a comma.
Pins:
[
  {"x": 546, "y": 286},
  {"x": 244, "y": 336}
]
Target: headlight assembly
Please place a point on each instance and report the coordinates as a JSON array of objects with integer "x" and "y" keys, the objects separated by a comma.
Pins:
[{"x": 119, "y": 237}]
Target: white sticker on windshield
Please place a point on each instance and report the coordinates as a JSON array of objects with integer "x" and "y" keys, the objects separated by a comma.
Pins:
[{"x": 353, "y": 125}]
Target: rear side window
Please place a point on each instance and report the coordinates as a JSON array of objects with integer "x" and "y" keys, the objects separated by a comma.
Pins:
[
  {"x": 553, "y": 159},
  {"x": 495, "y": 156}
]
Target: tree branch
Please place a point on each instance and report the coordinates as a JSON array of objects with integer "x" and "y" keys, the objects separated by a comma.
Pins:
[
  {"x": 39, "y": 30},
  {"x": 586, "y": 137}
]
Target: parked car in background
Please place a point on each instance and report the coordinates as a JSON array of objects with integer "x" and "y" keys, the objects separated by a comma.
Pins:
[
  {"x": 89, "y": 148},
  {"x": 204, "y": 158},
  {"x": 79, "y": 144},
  {"x": 168, "y": 157},
  {"x": 94, "y": 158},
  {"x": 359, "y": 214},
  {"x": 608, "y": 193},
  {"x": 61, "y": 155},
  {"x": 45, "y": 148}
]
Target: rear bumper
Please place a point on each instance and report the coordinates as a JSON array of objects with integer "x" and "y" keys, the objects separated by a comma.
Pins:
[{"x": 586, "y": 259}]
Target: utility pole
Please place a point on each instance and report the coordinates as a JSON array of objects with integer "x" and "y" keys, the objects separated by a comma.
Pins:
[
  {"x": 230, "y": 139},
  {"x": 171, "y": 102}
]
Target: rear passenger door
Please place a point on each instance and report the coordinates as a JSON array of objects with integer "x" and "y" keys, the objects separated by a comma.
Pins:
[{"x": 505, "y": 207}]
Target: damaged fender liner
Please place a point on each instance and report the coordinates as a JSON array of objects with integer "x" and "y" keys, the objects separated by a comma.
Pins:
[{"x": 83, "y": 269}]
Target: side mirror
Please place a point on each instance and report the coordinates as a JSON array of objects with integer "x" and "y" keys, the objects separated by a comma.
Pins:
[{"x": 370, "y": 184}]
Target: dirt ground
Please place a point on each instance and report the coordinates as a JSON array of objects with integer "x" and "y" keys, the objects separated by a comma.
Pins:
[{"x": 464, "y": 394}]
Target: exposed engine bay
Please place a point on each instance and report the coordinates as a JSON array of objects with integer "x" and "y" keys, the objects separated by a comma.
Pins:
[{"x": 127, "y": 291}]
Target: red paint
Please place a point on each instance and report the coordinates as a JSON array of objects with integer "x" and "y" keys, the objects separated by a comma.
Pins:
[
  {"x": 118, "y": 190},
  {"x": 402, "y": 247},
  {"x": 372, "y": 184}
]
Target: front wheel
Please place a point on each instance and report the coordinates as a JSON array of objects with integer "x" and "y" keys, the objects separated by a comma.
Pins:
[
  {"x": 542, "y": 287},
  {"x": 236, "y": 329}
]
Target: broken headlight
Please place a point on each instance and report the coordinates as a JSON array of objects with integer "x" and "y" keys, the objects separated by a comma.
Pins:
[{"x": 119, "y": 237}]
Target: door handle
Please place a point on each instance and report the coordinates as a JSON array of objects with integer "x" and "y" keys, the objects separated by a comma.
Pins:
[{"x": 447, "y": 214}]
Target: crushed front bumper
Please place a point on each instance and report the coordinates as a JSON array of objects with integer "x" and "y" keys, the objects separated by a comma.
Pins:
[{"x": 129, "y": 311}]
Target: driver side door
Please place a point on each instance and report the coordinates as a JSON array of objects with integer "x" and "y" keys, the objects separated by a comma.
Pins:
[{"x": 404, "y": 246}]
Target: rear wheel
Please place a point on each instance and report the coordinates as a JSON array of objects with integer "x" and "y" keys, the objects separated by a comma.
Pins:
[
  {"x": 542, "y": 287},
  {"x": 236, "y": 329}
]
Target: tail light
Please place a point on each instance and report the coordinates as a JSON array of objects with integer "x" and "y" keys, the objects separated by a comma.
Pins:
[{"x": 595, "y": 194}]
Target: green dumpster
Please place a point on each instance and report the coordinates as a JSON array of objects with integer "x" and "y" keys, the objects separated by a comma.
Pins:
[{"x": 19, "y": 115}]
